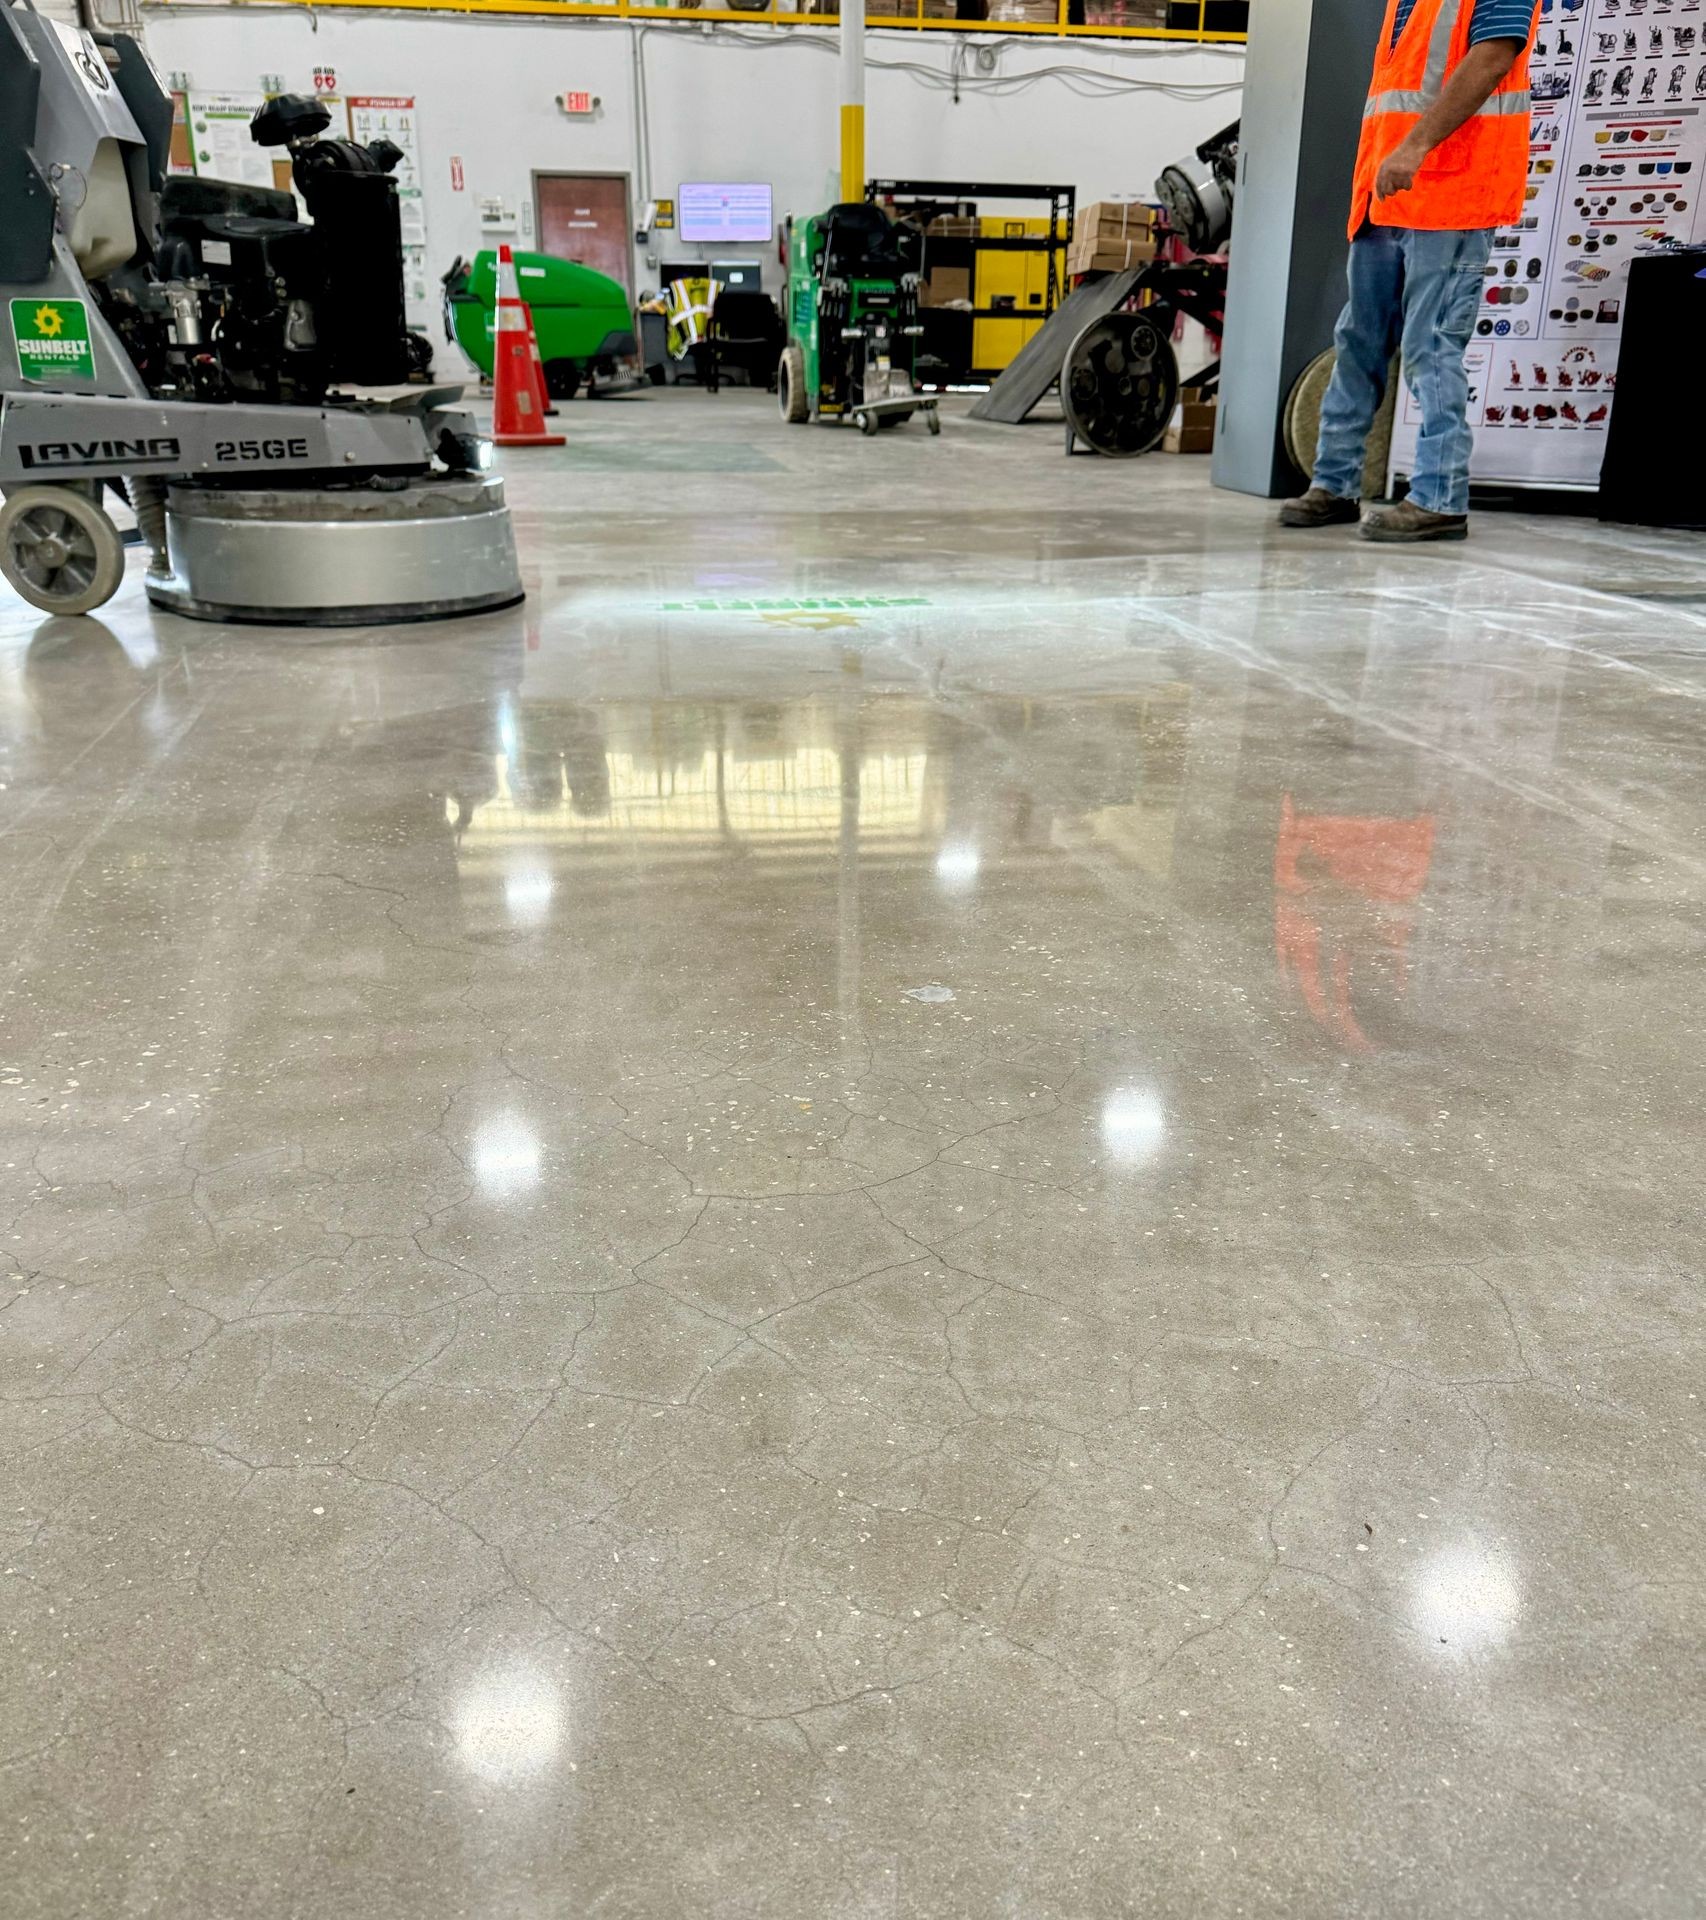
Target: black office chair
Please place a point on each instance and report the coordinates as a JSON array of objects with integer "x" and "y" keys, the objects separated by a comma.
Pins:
[{"x": 745, "y": 331}]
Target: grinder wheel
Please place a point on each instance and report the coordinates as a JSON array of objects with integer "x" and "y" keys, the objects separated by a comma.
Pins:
[
  {"x": 1303, "y": 423},
  {"x": 1118, "y": 384}
]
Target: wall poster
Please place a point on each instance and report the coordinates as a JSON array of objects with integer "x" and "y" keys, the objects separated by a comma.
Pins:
[
  {"x": 391, "y": 116},
  {"x": 1616, "y": 155}
]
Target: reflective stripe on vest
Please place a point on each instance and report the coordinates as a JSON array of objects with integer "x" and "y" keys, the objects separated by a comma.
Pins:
[
  {"x": 1439, "y": 46},
  {"x": 1418, "y": 103}
]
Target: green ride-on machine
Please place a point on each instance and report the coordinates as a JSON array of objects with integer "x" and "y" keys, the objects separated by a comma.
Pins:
[{"x": 852, "y": 321}]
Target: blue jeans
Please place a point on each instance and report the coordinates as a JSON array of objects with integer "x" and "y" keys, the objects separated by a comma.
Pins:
[{"x": 1418, "y": 292}]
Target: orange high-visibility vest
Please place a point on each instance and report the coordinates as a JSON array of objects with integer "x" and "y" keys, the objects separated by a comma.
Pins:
[{"x": 1473, "y": 178}]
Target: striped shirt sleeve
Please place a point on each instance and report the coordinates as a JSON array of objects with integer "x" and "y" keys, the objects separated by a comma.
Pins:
[
  {"x": 1501, "y": 20},
  {"x": 1492, "y": 19}
]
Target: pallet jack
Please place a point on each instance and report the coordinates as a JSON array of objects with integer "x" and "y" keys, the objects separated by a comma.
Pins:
[{"x": 243, "y": 377}]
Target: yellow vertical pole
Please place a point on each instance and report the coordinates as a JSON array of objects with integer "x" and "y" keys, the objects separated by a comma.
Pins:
[{"x": 852, "y": 100}]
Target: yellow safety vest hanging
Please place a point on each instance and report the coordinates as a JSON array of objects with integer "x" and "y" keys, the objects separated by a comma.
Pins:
[{"x": 688, "y": 304}]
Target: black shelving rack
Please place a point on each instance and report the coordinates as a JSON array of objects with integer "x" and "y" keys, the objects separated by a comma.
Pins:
[{"x": 928, "y": 198}]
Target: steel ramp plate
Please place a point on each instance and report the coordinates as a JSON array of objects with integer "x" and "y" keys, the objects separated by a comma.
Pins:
[{"x": 1036, "y": 366}]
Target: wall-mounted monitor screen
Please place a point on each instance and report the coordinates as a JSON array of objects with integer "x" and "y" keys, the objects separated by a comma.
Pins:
[{"x": 712, "y": 211}]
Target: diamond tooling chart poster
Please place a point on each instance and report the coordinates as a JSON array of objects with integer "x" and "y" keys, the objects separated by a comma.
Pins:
[
  {"x": 391, "y": 116},
  {"x": 1616, "y": 154}
]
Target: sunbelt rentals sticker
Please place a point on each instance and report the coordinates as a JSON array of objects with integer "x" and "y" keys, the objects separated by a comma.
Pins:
[{"x": 52, "y": 338}]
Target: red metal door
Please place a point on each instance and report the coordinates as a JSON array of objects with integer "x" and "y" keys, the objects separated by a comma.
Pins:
[{"x": 584, "y": 217}]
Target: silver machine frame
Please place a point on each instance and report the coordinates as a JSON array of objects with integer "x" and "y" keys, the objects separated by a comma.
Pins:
[{"x": 242, "y": 505}]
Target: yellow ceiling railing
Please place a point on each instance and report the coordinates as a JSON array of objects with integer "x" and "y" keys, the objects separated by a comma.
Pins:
[{"x": 1090, "y": 19}]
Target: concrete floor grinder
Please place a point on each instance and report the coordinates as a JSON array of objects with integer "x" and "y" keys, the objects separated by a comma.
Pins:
[{"x": 244, "y": 377}]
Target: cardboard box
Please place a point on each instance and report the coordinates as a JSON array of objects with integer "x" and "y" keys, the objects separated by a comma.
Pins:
[
  {"x": 1191, "y": 429},
  {"x": 1110, "y": 256},
  {"x": 1113, "y": 220},
  {"x": 1108, "y": 236},
  {"x": 944, "y": 286}
]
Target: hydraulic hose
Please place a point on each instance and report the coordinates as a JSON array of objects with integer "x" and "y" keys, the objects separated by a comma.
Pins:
[{"x": 147, "y": 496}]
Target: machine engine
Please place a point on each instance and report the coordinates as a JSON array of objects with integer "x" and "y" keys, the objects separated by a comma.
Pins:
[{"x": 243, "y": 300}]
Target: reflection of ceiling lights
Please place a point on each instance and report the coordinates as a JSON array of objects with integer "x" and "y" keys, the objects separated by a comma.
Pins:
[
  {"x": 1467, "y": 1598},
  {"x": 527, "y": 895},
  {"x": 957, "y": 866},
  {"x": 508, "y": 1727},
  {"x": 506, "y": 1155},
  {"x": 773, "y": 801},
  {"x": 1133, "y": 1124}
]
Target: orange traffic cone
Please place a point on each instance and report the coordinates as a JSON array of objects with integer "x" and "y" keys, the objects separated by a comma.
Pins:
[
  {"x": 518, "y": 415},
  {"x": 541, "y": 392}
]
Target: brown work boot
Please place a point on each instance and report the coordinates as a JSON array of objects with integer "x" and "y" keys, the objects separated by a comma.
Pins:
[
  {"x": 1406, "y": 522},
  {"x": 1318, "y": 508}
]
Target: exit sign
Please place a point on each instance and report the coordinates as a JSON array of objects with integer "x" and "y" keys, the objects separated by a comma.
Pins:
[{"x": 577, "y": 103}]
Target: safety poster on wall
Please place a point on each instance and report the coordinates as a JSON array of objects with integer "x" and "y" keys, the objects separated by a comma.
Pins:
[
  {"x": 219, "y": 143},
  {"x": 392, "y": 116},
  {"x": 1616, "y": 157}
]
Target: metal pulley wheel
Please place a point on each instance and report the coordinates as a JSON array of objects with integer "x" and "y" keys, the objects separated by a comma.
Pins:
[
  {"x": 59, "y": 549},
  {"x": 1118, "y": 384}
]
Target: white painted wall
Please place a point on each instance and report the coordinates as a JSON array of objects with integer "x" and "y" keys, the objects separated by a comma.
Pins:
[{"x": 757, "y": 105}]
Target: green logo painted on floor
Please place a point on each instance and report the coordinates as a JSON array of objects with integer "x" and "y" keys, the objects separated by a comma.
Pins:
[
  {"x": 52, "y": 338},
  {"x": 835, "y": 603}
]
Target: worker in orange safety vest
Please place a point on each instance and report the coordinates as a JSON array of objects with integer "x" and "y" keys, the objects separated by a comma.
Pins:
[{"x": 1442, "y": 161}]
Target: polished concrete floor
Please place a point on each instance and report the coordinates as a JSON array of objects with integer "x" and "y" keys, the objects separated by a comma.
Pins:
[{"x": 962, "y": 1189}]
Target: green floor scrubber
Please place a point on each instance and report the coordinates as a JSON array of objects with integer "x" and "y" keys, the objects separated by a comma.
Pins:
[{"x": 585, "y": 324}]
